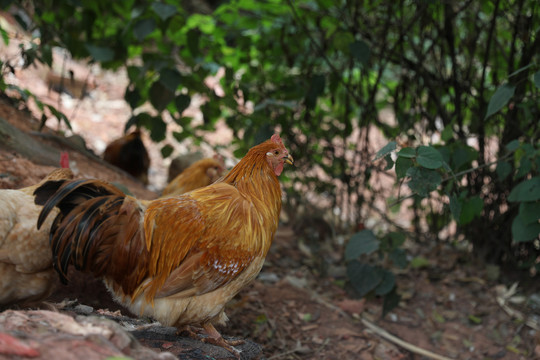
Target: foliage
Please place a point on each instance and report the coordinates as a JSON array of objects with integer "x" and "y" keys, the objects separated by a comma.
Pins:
[
  {"x": 456, "y": 77},
  {"x": 366, "y": 278}
]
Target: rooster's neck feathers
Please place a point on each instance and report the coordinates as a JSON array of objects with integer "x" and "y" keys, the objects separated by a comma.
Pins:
[{"x": 254, "y": 177}]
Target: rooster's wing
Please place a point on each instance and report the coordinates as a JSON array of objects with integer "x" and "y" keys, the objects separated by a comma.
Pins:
[{"x": 200, "y": 241}]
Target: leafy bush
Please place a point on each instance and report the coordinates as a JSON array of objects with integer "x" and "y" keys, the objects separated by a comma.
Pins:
[{"x": 367, "y": 278}]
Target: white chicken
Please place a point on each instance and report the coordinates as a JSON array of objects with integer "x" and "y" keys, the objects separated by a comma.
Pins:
[{"x": 26, "y": 272}]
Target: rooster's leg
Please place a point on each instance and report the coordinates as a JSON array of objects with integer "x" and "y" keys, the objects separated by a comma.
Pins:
[
  {"x": 215, "y": 338},
  {"x": 189, "y": 331}
]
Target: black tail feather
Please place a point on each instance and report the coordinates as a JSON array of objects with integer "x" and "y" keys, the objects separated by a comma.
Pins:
[{"x": 71, "y": 233}]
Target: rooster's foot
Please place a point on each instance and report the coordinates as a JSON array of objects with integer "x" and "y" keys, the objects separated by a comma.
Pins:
[
  {"x": 215, "y": 338},
  {"x": 189, "y": 331}
]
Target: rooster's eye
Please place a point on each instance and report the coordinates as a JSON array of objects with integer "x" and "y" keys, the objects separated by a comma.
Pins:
[{"x": 276, "y": 152}]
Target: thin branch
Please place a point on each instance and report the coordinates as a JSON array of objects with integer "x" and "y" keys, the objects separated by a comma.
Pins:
[
  {"x": 380, "y": 331},
  {"x": 408, "y": 346}
]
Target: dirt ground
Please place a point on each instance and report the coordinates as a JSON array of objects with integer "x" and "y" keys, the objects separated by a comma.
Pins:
[{"x": 449, "y": 306}]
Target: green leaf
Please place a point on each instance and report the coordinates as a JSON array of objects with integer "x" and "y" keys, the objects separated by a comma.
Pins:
[
  {"x": 133, "y": 120},
  {"x": 164, "y": 11},
  {"x": 394, "y": 239},
  {"x": 429, "y": 157},
  {"x": 390, "y": 301},
  {"x": 402, "y": 165},
  {"x": 5, "y": 36},
  {"x": 503, "y": 169},
  {"x": 523, "y": 232},
  {"x": 363, "y": 242},
  {"x": 387, "y": 283},
  {"x": 387, "y": 149},
  {"x": 501, "y": 97},
  {"x": 360, "y": 51},
  {"x": 171, "y": 78},
  {"x": 182, "y": 102},
  {"x": 528, "y": 190},
  {"x": 407, "y": 152},
  {"x": 513, "y": 145},
  {"x": 475, "y": 320},
  {"x": 160, "y": 96},
  {"x": 524, "y": 167},
  {"x": 389, "y": 162},
  {"x": 399, "y": 258},
  {"x": 100, "y": 53},
  {"x": 470, "y": 209},
  {"x": 205, "y": 23},
  {"x": 455, "y": 207},
  {"x": 180, "y": 136},
  {"x": 419, "y": 262},
  {"x": 137, "y": 11},
  {"x": 193, "y": 37},
  {"x": 133, "y": 97},
  {"x": 463, "y": 155},
  {"x": 536, "y": 79},
  {"x": 423, "y": 181},
  {"x": 520, "y": 70},
  {"x": 438, "y": 317},
  {"x": 529, "y": 212},
  {"x": 447, "y": 133},
  {"x": 134, "y": 72},
  {"x": 158, "y": 129},
  {"x": 142, "y": 119},
  {"x": 143, "y": 28},
  {"x": 363, "y": 277},
  {"x": 166, "y": 151}
]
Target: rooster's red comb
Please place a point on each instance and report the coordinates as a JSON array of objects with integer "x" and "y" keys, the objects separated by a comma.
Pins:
[
  {"x": 64, "y": 160},
  {"x": 275, "y": 138}
]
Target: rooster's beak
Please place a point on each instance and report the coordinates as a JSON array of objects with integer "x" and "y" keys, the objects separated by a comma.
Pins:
[{"x": 289, "y": 159}]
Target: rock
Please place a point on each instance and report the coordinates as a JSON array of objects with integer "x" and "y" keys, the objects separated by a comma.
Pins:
[
  {"x": 72, "y": 334},
  {"x": 52, "y": 335},
  {"x": 84, "y": 309}
]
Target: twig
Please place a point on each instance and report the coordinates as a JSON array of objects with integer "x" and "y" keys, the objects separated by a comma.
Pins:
[
  {"x": 84, "y": 89},
  {"x": 381, "y": 332},
  {"x": 501, "y": 299},
  {"x": 277, "y": 356},
  {"x": 412, "y": 348}
]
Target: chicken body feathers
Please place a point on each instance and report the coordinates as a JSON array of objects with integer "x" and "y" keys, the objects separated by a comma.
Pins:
[
  {"x": 26, "y": 272},
  {"x": 177, "y": 259}
]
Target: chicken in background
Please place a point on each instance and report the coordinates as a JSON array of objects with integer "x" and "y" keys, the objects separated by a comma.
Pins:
[
  {"x": 26, "y": 272},
  {"x": 178, "y": 259},
  {"x": 70, "y": 85},
  {"x": 181, "y": 163},
  {"x": 129, "y": 154},
  {"x": 201, "y": 173}
]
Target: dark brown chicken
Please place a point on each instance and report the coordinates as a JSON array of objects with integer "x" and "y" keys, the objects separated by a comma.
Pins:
[
  {"x": 177, "y": 259},
  {"x": 129, "y": 154}
]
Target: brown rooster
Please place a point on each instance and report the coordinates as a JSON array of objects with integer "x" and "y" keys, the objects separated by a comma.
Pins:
[
  {"x": 178, "y": 259},
  {"x": 201, "y": 173},
  {"x": 129, "y": 154},
  {"x": 26, "y": 272}
]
